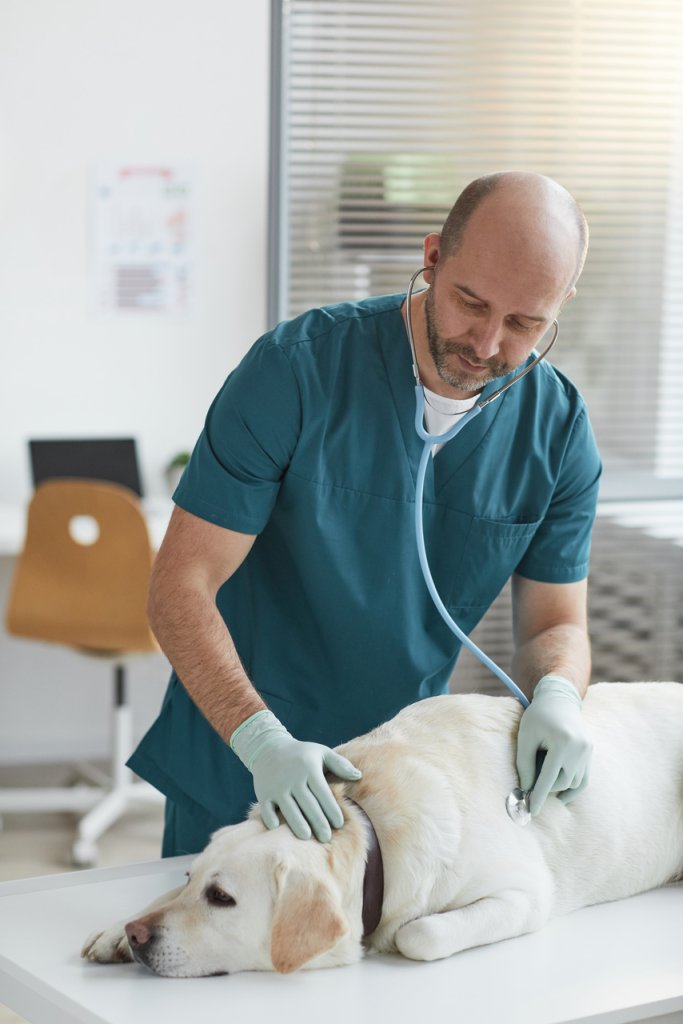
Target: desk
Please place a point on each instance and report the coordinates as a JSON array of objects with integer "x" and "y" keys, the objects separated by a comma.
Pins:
[
  {"x": 662, "y": 520},
  {"x": 13, "y": 523},
  {"x": 613, "y": 963}
]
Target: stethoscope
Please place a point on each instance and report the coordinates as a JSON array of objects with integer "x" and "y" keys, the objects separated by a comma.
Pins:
[{"x": 517, "y": 803}]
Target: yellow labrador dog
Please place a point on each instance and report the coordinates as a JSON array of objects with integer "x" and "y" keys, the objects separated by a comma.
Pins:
[{"x": 428, "y": 862}]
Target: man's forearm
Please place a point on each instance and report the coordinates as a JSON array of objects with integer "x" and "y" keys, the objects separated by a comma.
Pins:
[
  {"x": 561, "y": 649},
  {"x": 195, "y": 639}
]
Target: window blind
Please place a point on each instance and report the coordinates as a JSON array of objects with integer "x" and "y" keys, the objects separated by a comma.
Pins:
[{"x": 386, "y": 110}]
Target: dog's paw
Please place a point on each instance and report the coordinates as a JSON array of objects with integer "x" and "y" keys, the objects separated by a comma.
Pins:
[
  {"x": 420, "y": 940},
  {"x": 108, "y": 947}
]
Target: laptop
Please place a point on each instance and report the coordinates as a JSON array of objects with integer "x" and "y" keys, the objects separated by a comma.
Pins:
[{"x": 113, "y": 459}]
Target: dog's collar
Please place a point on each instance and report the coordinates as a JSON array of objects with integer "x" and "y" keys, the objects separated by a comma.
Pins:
[{"x": 373, "y": 881}]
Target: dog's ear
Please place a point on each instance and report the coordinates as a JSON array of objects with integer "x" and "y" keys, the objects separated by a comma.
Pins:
[{"x": 307, "y": 920}]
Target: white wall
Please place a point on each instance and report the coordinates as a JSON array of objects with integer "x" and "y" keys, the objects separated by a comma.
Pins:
[
  {"x": 85, "y": 81},
  {"x": 136, "y": 80}
]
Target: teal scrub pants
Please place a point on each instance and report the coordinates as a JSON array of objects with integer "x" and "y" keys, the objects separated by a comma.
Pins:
[{"x": 187, "y": 829}]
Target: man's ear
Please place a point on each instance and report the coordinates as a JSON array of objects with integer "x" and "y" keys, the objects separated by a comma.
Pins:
[
  {"x": 307, "y": 919},
  {"x": 432, "y": 250}
]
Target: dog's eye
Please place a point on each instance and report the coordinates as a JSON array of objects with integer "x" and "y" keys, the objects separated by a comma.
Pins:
[{"x": 218, "y": 897}]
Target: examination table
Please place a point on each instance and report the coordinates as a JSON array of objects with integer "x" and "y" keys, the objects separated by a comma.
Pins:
[{"x": 613, "y": 963}]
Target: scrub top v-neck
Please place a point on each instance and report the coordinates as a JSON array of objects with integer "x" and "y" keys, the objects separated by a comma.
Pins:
[{"x": 311, "y": 445}]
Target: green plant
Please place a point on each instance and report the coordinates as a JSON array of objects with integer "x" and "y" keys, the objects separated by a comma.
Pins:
[{"x": 178, "y": 461}]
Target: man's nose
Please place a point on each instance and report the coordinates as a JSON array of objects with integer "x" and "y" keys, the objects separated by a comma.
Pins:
[{"x": 486, "y": 338}]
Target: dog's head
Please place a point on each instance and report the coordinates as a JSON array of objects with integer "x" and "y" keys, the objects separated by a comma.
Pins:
[{"x": 254, "y": 900}]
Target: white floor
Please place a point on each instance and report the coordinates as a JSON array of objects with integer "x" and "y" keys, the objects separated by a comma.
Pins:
[{"x": 40, "y": 844}]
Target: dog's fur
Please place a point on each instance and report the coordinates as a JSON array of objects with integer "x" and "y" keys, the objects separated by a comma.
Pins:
[{"x": 458, "y": 872}]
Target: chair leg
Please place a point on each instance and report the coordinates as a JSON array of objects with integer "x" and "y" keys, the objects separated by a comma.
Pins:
[
  {"x": 122, "y": 739},
  {"x": 123, "y": 789}
]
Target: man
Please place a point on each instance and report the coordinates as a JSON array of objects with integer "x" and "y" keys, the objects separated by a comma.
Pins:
[{"x": 287, "y": 594}]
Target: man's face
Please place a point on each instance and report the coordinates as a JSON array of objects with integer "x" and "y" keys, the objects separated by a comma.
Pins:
[
  {"x": 457, "y": 361},
  {"x": 487, "y": 309}
]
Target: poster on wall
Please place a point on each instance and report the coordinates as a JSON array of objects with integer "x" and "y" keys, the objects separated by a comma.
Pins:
[{"x": 142, "y": 240}]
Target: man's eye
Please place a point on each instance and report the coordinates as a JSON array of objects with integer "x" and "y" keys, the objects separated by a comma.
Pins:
[
  {"x": 218, "y": 897},
  {"x": 474, "y": 306}
]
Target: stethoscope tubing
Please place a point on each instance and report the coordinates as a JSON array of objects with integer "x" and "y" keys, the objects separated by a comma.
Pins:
[
  {"x": 430, "y": 440},
  {"x": 424, "y": 562}
]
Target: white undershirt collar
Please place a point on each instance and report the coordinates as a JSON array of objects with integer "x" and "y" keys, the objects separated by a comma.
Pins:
[{"x": 442, "y": 412}]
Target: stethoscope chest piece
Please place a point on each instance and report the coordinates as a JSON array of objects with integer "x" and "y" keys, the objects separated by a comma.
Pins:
[{"x": 517, "y": 806}]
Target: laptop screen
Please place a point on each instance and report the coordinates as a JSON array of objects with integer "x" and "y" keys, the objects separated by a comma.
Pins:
[{"x": 111, "y": 459}]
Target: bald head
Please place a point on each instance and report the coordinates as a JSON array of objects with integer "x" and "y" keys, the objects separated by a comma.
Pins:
[{"x": 535, "y": 213}]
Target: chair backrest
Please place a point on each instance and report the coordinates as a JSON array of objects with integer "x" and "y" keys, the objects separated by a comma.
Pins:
[{"x": 86, "y": 595}]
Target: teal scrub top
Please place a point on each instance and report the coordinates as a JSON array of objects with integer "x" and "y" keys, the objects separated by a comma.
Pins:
[{"x": 311, "y": 445}]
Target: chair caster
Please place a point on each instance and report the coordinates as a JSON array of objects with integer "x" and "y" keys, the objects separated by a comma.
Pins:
[{"x": 83, "y": 853}]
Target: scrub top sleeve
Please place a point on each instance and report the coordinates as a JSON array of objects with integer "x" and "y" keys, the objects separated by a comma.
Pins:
[
  {"x": 250, "y": 433},
  {"x": 560, "y": 549}
]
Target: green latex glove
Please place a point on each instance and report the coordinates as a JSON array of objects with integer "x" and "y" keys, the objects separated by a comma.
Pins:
[
  {"x": 552, "y": 723},
  {"x": 289, "y": 774}
]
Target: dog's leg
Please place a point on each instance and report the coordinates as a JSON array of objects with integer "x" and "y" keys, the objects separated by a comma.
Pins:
[
  {"x": 111, "y": 946},
  {"x": 508, "y": 913}
]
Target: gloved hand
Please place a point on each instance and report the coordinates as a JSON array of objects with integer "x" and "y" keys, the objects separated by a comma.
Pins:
[
  {"x": 552, "y": 723},
  {"x": 289, "y": 774}
]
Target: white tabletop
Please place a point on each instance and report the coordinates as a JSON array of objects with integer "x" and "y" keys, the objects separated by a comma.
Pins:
[
  {"x": 618, "y": 962},
  {"x": 660, "y": 519}
]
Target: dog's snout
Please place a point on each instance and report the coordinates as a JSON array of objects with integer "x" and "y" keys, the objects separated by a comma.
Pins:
[{"x": 139, "y": 934}]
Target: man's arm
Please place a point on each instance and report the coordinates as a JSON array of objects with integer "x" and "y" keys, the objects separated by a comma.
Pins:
[
  {"x": 550, "y": 629},
  {"x": 552, "y": 665},
  {"x": 194, "y": 561}
]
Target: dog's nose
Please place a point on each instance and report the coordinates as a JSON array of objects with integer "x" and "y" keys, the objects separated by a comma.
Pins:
[{"x": 139, "y": 934}]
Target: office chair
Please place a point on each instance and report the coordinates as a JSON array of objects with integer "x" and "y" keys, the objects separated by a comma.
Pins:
[{"x": 90, "y": 596}]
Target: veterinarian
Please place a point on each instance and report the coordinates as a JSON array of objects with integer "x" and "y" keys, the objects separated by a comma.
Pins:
[{"x": 287, "y": 593}]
